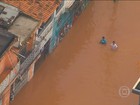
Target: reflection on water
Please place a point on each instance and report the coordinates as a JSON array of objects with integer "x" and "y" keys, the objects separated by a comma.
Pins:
[{"x": 83, "y": 72}]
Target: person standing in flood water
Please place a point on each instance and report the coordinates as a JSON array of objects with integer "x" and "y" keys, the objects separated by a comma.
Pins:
[
  {"x": 103, "y": 40},
  {"x": 114, "y": 45}
]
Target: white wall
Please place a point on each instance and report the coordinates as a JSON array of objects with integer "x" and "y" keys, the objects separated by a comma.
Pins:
[
  {"x": 46, "y": 38},
  {"x": 68, "y": 3},
  {"x": 45, "y": 35}
]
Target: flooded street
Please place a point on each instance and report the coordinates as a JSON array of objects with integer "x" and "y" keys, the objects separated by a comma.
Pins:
[{"x": 81, "y": 71}]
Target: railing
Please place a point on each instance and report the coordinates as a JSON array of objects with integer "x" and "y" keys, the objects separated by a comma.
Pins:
[
  {"x": 23, "y": 67},
  {"x": 15, "y": 71},
  {"x": 20, "y": 68},
  {"x": 29, "y": 60},
  {"x": 36, "y": 51}
]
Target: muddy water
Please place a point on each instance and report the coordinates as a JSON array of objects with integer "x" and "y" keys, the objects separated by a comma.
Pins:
[{"x": 83, "y": 72}]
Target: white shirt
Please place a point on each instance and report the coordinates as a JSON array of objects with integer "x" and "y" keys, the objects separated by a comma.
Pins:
[{"x": 114, "y": 46}]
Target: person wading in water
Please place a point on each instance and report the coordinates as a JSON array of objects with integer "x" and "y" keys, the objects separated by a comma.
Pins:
[
  {"x": 114, "y": 45},
  {"x": 103, "y": 40}
]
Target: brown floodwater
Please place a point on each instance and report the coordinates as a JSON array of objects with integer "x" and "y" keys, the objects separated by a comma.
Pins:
[{"x": 81, "y": 71}]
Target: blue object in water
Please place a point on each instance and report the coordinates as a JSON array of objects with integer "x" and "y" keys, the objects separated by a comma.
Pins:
[{"x": 103, "y": 41}]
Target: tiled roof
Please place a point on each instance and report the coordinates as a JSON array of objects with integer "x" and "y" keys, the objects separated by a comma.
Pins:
[{"x": 38, "y": 9}]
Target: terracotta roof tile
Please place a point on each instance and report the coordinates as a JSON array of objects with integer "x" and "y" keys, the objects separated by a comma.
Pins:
[{"x": 38, "y": 9}]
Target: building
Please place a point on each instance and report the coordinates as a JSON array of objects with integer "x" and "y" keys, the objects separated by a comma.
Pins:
[{"x": 30, "y": 30}]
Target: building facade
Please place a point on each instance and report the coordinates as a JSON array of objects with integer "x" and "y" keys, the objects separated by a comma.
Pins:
[{"x": 33, "y": 30}]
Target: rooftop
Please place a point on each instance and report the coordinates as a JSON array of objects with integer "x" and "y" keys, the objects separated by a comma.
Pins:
[
  {"x": 16, "y": 22},
  {"x": 6, "y": 38},
  {"x": 7, "y": 15},
  {"x": 23, "y": 27},
  {"x": 21, "y": 18},
  {"x": 38, "y": 9}
]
